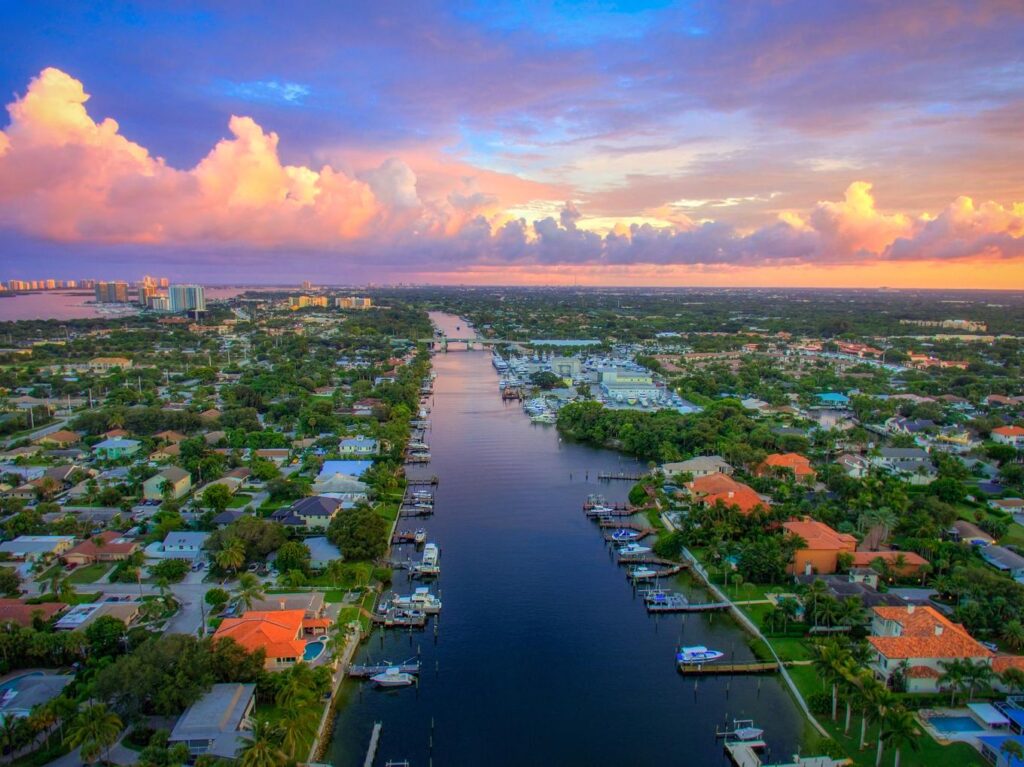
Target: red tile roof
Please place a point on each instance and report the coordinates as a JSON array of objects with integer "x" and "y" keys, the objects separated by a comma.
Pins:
[
  {"x": 18, "y": 612},
  {"x": 1009, "y": 431},
  {"x": 926, "y": 633},
  {"x": 278, "y": 632},
  {"x": 819, "y": 536},
  {"x": 798, "y": 464}
]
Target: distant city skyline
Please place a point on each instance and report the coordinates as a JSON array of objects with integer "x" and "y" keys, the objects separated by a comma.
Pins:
[{"x": 617, "y": 143}]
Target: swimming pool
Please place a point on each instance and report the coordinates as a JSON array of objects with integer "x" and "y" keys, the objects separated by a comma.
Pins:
[
  {"x": 954, "y": 724},
  {"x": 12, "y": 684},
  {"x": 314, "y": 649}
]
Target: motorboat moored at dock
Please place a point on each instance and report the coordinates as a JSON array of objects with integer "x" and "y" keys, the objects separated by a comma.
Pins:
[
  {"x": 697, "y": 654},
  {"x": 393, "y": 676}
]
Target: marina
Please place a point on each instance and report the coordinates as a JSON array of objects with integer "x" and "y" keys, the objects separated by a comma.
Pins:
[{"x": 514, "y": 545}]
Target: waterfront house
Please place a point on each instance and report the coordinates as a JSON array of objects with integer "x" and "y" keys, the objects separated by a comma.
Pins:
[
  {"x": 822, "y": 548},
  {"x": 80, "y": 616},
  {"x": 700, "y": 466},
  {"x": 968, "y": 532},
  {"x": 112, "y": 449},
  {"x": 108, "y": 546},
  {"x": 311, "y": 603},
  {"x": 924, "y": 639},
  {"x": 276, "y": 455},
  {"x": 353, "y": 469},
  {"x": 278, "y": 633},
  {"x": 911, "y": 464},
  {"x": 177, "y": 479},
  {"x": 855, "y": 466},
  {"x": 358, "y": 447},
  {"x": 216, "y": 724},
  {"x": 713, "y": 488}
]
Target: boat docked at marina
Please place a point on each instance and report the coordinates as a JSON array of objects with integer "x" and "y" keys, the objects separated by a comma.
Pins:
[
  {"x": 429, "y": 566},
  {"x": 696, "y": 655},
  {"x": 419, "y": 537},
  {"x": 393, "y": 677},
  {"x": 633, "y": 549},
  {"x": 623, "y": 535},
  {"x": 420, "y": 600},
  {"x": 641, "y": 573}
]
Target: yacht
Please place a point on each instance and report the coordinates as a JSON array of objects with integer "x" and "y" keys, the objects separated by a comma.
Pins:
[
  {"x": 642, "y": 573},
  {"x": 633, "y": 549},
  {"x": 393, "y": 677},
  {"x": 420, "y": 600},
  {"x": 623, "y": 535},
  {"x": 419, "y": 537},
  {"x": 428, "y": 566},
  {"x": 697, "y": 655}
]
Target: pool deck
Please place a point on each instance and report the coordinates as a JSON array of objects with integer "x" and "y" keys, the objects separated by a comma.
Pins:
[{"x": 945, "y": 738}]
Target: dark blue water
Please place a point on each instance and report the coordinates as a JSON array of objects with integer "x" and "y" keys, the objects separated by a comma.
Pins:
[{"x": 544, "y": 654}]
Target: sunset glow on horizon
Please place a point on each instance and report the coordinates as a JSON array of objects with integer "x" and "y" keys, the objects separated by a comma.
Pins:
[{"x": 571, "y": 143}]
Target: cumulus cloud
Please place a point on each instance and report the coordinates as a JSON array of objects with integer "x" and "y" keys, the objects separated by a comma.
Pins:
[{"x": 66, "y": 177}]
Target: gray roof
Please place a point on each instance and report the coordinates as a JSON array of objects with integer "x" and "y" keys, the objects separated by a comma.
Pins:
[
  {"x": 216, "y": 717},
  {"x": 1002, "y": 558},
  {"x": 699, "y": 463},
  {"x": 904, "y": 453},
  {"x": 321, "y": 549},
  {"x": 315, "y": 506},
  {"x": 173, "y": 474}
]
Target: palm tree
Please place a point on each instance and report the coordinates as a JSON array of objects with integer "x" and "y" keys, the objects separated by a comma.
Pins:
[
  {"x": 900, "y": 729},
  {"x": 976, "y": 673},
  {"x": 298, "y": 724},
  {"x": 871, "y": 696},
  {"x": 264, "y": 748},
  {"x": 953, "y": 675},
  {"x": 42, "y": 719},
  {"x": 829, "y": 658},
  {"x": 94, "y": 730},
  {"x": 231, "y": 557},
  {"x": 1012, "y": 679},
  {"x": 813, "y": 593},
  {"x": 1012, "y": 750},
  {"x": 1013, "y": 634},
  {"x": 249, "y": 590}
]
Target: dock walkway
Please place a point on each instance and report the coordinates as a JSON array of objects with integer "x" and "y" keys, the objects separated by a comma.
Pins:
[{"x": 713, "y": 669}]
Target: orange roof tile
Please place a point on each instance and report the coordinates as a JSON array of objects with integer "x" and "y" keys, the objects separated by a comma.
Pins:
[
  {"x": 799, "y": 465},
  {"x": 1009, "y": 431},
  {"x": 820, "y": 536},
  {"x": 923, "y": 672},
  {"x": 1001, "y": 663},
  {"x": 926, "y": 633},
  {"x": 277, "y": 632},
  {"x": 865, "y": 558}
]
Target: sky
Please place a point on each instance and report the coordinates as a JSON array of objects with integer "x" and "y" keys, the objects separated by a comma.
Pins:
[{"x": 761, "y": 143}]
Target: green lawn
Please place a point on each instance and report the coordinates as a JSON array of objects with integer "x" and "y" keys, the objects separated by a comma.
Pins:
[
  {"x": 238, "y": 500},
  {"x": 89, "y": 573},
  {"x": 929, "y": 753}
]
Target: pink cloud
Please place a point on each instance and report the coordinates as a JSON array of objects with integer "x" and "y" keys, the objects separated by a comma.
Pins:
[{"x": 64, "y": 176}]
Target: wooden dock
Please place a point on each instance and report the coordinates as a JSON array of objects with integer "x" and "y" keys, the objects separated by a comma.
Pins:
[
  {"x": 366, "y": 671},
  {"x": 629, "y": 476},
  {"x": 609, "y": 512},
  {"x": 728, "y": 669},
  {"x": 682, "y": 606},
  {"x": 399, "y": 619},
  {"x": 421, "y": 482},
  {"x": 649, "y": 559},
  {"x": 371, "y": 752},
  {"x": 668, "y": 572}
]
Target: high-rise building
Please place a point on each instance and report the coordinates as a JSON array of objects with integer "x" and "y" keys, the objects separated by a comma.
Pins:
[
  {"x": 112, "y": 292},
  {"x": 307, "y": 285},
  {"x": 146, "y": 291},
  {"x": 164, "y": 282},
  {"x": 186, "y": 298},
  {"x": 159, "y": 303}
]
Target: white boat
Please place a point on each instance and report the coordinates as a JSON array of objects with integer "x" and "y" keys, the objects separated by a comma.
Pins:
[
  {"x": 428, "y": 566},
  {"x": 625, "y": 535},
  {"x": 545, "y": 418},
  {"x": 697, "y": 654},
  {"x": 642, "y": 573},
  {"x": 419, "y": 537},
  {"x": 393, "y": 677},
  {"x": 633, "y": 549},
  {"x": 748, "y": 733},
  {"x": 420, "y": 600}
]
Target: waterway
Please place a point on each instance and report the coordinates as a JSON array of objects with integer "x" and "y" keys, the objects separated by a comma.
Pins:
[
  {"x": 72, "y": 304},
  {"x": 544, "y": 654}
]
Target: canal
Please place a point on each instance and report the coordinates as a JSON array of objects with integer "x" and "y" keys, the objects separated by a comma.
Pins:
[{"x": 543, "y": 654}]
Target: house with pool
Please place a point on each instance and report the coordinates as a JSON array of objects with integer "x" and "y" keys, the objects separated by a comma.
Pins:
[
  {"x": 918, "y": 640},
  {"x": 285, "y": 636}
]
